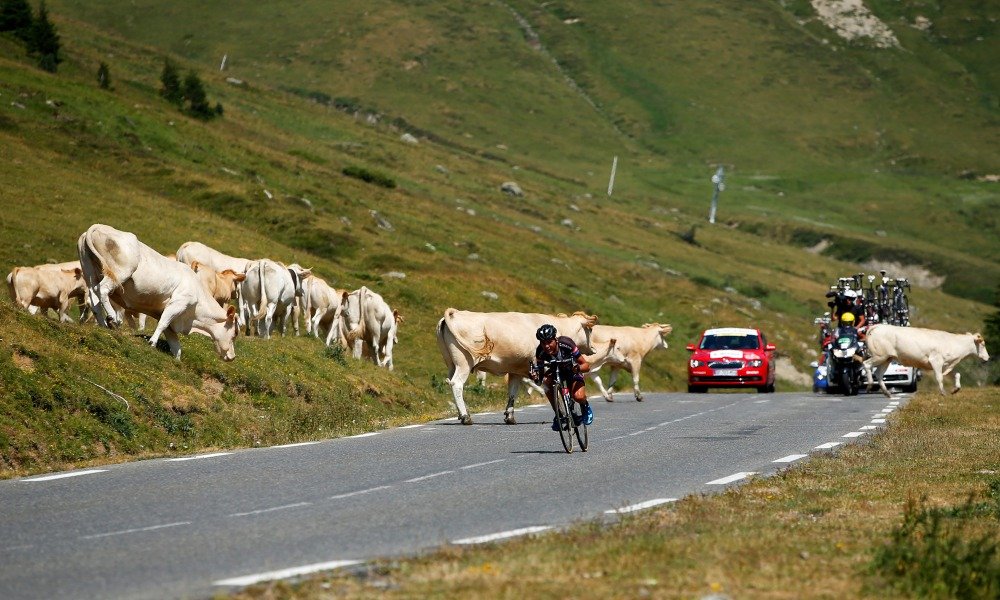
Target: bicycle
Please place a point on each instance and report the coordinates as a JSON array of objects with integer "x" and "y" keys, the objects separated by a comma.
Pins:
[
  {"x": 901, "y": 305},
  {"x": 569, "y": 415}
]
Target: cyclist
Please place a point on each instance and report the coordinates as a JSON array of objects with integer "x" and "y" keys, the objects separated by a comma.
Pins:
[{"x": 553, "y": 346}]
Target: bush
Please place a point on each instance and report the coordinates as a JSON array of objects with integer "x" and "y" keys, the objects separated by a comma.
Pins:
[
  {"x": 369, "y": 176},
  {"x": 936, "y": 553}
]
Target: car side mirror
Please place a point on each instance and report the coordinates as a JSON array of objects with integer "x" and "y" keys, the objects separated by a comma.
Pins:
[
  {"x": 769, "y": 347},
  {"x": 690, "y": 347}
]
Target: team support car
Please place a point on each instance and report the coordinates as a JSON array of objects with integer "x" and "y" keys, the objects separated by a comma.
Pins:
[{"x": 731, "y": 357}]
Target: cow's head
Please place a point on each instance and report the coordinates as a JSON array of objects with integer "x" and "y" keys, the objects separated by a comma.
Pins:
[
  {"x": 981, "y": 347},
  {"x": 231, "y": 280},
  {"x": 662, "y": 332},
  {"x": 224, "y": 333},
  {"x": 586, "y": 326},
  {"x": 299, "y": 274}
]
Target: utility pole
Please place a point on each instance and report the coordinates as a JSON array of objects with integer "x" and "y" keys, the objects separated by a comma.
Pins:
[
  {"x": 720, "y": 185},
  {"x": 611, "y": 182}
]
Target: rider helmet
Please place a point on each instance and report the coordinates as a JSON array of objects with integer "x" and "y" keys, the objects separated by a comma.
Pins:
[
  {"x": 847, "y": 318},
  {"x": 545, "y": 333}
]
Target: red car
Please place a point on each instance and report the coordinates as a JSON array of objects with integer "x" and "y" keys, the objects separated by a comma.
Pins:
[{"x": 729, "y": 357}]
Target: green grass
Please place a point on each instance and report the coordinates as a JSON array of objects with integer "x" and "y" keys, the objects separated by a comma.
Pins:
[{"x": 827, "y": 140}]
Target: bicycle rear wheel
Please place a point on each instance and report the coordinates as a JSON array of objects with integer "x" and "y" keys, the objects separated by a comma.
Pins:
[
  {"x": 581, "y": 429},
  {"x": 565, "y": 421}
]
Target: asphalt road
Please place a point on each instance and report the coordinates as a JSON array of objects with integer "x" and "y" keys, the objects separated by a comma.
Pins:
[{"x": 169, "y": 528}]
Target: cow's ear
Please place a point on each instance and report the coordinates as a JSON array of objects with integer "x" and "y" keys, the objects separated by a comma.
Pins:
[
  {"x": 78, "y": 272},
  {"x": 195, "y": 265},
  {"x": 231, "y": 314},
  {"x": 306, "y": 273},
  {"x": 238, "y": 277}
]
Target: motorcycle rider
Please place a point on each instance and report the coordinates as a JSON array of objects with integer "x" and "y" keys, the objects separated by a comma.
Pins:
[{"x": 553, "y": 346}]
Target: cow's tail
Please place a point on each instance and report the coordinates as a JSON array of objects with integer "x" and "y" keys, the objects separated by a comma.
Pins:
[
  {"x": 11, "y": 287},
  {"x": 359, "y": 330},
  {"x": 262, "y": 303},
  {"x": 479, "y": 354}
]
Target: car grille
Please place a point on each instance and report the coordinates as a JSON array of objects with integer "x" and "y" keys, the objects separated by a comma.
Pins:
[
  {"x": 895, "y": 378},
  {"x": 727, "y": 364}
]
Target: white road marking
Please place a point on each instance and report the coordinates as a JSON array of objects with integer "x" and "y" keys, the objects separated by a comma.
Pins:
[
  {"x": 482, "y": 539},
  {"x": 65, "y": 475},
  {"x": 136, "y": 530},
  {"x": 363, "y": 435},
  {"x": 732, "y": 478},
  {"x": 360, "y": 492},
  {"x": 639, "y": 506},
  {"x": 432, "y": 475},
  {"x": 853, "y": 434},
  {"x": 200, "y": 456},
  {"x": 412, "y": 426},
  {"x": 790, "y": 458},
  {"x": 295, "y": 445},
  {"x": 760, "y": 401},
  {"x": 894, "y": 404},
  {"x": 869, "y": 427},
  {"x": 887, "y": 410},
  {"x": 485, "y": 413},
  {"x": 285, "y": 573},
  {"x": 827, "y": 445},
  {"x": 267, "y": 510},
  {"x": 13, "y": 548},
  {"x": 483, "y": 464},
  {"x": 878, "y": 420}
]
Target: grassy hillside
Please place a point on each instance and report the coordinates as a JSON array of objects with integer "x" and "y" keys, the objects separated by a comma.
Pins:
[{"x": 672, "y": 91}]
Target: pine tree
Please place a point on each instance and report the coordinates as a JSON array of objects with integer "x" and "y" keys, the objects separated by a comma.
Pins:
[
  {"x": 194, "y": 94},
  {"x": 171, "y": 83},
  {"x": 104, "y": 76},
  {"x": 43, "y": 41},
  {"x": 15, "y": 16}
]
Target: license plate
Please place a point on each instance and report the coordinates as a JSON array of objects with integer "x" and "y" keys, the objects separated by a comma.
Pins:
[{"x": 724, "y": 372}]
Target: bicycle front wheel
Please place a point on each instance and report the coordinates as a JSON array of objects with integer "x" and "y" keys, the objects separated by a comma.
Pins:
[
  {"x": 581, "y": 429},
  {"x": 565, "y": 421}
]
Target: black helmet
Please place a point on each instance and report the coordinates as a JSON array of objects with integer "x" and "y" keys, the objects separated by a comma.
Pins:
[{"x": 546, "y": 332}]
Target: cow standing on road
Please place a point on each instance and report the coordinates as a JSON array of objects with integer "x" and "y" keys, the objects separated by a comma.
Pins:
[
  {"x": 499, "y": 344},
  {"x": 634, "y": 343},
  {"x": 938, "y": 351}
]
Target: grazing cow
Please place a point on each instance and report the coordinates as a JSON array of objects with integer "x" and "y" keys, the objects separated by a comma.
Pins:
[
  {"x": 221, "y": 285},
  {"x": 272, "y": 288},
  {"x": 938, "y": 351},
  {"x": 322, "y": 306},
  {"x": 47, "y": 287},
  {"x": 500, "y": 344},
  {"x": 117, "y": 266},
  {"x": 350, "y": 324},
  {"x": 191, "y": 252},
  {"x": 378, "y": 327},
  {"x": 634, "y": 343}
]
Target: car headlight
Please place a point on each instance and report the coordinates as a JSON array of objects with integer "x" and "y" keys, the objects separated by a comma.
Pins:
[
  {"x": 696, "y": 363},
  {"x": 756, "y": 362}
]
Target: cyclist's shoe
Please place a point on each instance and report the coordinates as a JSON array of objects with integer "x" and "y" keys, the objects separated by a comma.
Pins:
[
  {"x": 588, "y": 414},
  {"x": 555, "y": 423}
]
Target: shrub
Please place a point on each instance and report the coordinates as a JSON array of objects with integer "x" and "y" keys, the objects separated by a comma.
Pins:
[
  {"x": 369, "y": 176},
  {"x": 936, "y": 553}
]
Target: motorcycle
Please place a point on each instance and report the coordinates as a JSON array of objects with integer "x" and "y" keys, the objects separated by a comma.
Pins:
[{"x": 845, "y": 353}]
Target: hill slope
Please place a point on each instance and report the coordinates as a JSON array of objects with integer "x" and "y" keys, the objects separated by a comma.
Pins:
[{"x": 672, "y": 91}]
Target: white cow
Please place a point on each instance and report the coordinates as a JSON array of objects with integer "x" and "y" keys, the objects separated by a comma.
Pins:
[
  {"x": 322, "y": 306},
  {"x": 634, "y": 343},
  {"x": 500, "y": 344},
  {"x": 117, "y": 266},
  {"x": 222, "y": 285},
  {"x": 268, "y": 293},
  {"x": 45, "y": 287},
  {"x": 350, "y": 324},
  {"x": 938, "y": 351},
  {"x": 379, "y": 325},
  {"x": 191, "y": 252}
]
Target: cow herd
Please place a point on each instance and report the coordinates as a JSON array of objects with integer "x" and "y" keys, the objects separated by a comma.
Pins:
[{"x": 120, "y": 279}]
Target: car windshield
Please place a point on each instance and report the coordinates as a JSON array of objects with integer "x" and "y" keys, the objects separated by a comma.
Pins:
[{"x": 729, "y": 342}]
